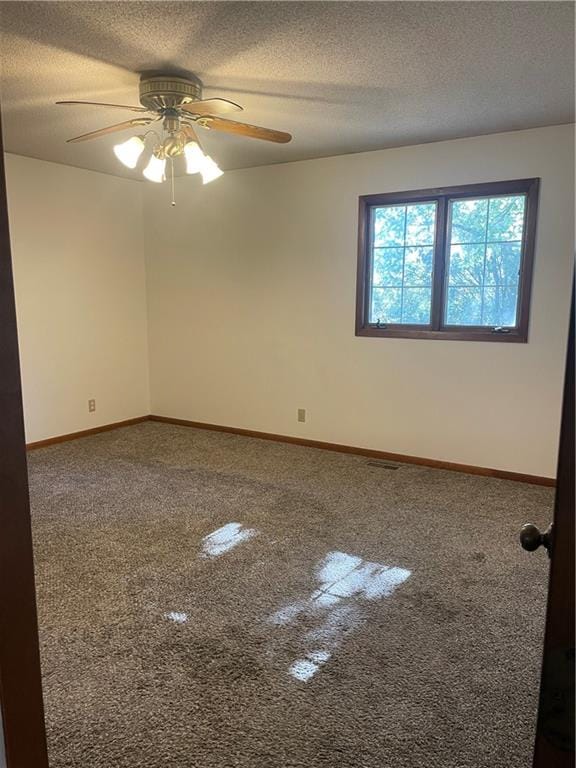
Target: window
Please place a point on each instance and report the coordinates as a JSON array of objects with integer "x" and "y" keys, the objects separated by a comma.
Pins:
[{"x": 452, "y": 263}]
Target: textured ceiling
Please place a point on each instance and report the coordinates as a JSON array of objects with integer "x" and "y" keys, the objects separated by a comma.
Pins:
[{"x": 341, "y": 76}]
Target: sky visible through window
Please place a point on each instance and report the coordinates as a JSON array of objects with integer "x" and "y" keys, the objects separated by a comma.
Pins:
[{"x": 484, "y": 251}]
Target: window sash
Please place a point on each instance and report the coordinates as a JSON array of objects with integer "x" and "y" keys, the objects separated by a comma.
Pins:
[
  {"x": 485, "y": 243},
  {"x": 402, "y": 286},
  {"x": 443, "y": 198}
]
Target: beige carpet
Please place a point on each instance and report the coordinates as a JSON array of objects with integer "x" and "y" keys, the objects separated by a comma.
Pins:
[{"x": 214, "y": 601}]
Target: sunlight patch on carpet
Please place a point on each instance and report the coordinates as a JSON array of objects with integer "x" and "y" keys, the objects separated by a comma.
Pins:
[
  {"x": 304, "y": 669},
  {"x": 345, "y": 581},
  {"x": 178, "y": 617},
  {"x": 226, "y": 538}
]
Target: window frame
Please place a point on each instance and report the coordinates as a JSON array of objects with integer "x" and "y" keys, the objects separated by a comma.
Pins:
[{"x": 438, "y": 328}]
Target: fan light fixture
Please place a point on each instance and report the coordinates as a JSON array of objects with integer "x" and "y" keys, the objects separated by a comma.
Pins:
[
  {"x": 173, "y": 146},
  {"x": 175, "y": 103},
  {"x": 180, "y": 140},
  {"x": 198, "y": 162},
  {"x": 129, "y": 151},
  {"x": 194, "y": 157},
  {"x": 210, "y": 171},
  {"x": 155, "y": 170}
]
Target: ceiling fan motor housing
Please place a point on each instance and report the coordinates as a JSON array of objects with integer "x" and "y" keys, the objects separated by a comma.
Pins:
[{"x": 159, "y": 93}]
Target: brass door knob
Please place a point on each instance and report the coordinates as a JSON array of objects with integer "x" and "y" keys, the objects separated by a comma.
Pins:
[{"x": 531, "y": 537}]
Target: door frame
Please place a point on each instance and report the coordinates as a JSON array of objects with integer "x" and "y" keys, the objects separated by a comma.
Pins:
[
  {"x": 21, "y": 699},
  {"x": 555, "y": 725},
  {"x": 20, "y": 678}
]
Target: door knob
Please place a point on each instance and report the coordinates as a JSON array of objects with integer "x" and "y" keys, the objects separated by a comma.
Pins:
[{"x": 531, "y": 537}]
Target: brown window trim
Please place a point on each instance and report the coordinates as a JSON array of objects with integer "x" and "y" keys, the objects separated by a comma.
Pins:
[{"x": 437, "y": 329}]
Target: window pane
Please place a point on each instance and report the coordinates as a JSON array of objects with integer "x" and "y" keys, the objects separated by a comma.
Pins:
[
  {"x": 386, "y": 305},
  {"x": 420, "y": 224},
  {"x": 387, "y": 266},
  {"x": 484, "y": 259},
  {"x": 466, "y": 265},
  {"x": 503, "y": 263},
  {"x": 469, "y": 221},
  {"x": 416, "y": 306},
  {"x": 402, "y": 262},
  {"x": 464, "y": 306},
  {"x": 499, "y": 306},
  {"x": 506, "y": 218},
  {"x": 418, "y": 266},
  {"x": 389, "y": 225}
]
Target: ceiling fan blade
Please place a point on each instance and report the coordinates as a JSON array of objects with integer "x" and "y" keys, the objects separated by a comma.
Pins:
[
  {"x": 100, "y": 104},
  {"x": 243, "y": 129},
  {"x": 112, "y": 129},
  {"x": 211, "y": 106}
]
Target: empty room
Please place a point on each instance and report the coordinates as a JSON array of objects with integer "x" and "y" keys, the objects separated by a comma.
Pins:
[{"x": 287, "y": 384}]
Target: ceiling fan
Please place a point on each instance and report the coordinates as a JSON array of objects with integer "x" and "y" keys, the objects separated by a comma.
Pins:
[{"x": 176, "y": 102}]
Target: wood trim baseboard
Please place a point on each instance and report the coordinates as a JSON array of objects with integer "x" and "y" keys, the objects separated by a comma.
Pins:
[
  {"x": 85, "y": 433},
  {"x": 338, "y": 447},
  {"x": 370, "y": 452}
]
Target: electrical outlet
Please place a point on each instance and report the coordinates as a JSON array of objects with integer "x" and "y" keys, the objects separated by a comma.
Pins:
[
  {"x": 301, "y": 414},
  {"x": 91, "y": 406}
]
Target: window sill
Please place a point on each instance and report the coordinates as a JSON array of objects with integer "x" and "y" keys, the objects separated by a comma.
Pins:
[{"x": 452, "y": 334}]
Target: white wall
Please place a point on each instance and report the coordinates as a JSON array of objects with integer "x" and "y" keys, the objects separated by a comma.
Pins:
[
  {"x": 77, "y": 249},
  {"x": 251, "y": 300},
  {"x": 251, "y": 293}
]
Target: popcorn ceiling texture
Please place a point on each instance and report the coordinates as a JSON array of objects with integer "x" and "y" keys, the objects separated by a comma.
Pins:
[
  {"x": 158, "y": 652},
  {"x": 341, "y": 76}
]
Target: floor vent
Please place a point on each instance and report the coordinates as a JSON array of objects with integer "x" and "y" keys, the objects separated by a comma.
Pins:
[{"x": 382, "y": 465}]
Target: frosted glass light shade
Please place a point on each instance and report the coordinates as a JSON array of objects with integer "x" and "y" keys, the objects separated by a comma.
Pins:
[
  {"x": 210, "y": 170},
  {"x": 154, "y": 171},
  {"x": 195, "y": 158},
  {"x": 129, "y": 151}
]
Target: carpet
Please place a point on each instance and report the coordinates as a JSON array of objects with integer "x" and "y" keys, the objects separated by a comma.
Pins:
[{"x": 214, "y": 601}]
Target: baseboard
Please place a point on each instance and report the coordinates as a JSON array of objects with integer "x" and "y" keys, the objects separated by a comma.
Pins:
[
  {"x": 370, "y": 452},
  {"x": 85, "y": 433}
]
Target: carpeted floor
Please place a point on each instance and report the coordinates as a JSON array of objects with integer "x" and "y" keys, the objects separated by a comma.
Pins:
[{"x": 213, "y": 601}]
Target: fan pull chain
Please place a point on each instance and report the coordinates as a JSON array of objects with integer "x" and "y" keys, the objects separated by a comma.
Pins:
[{"x": 172, "y": 180}]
